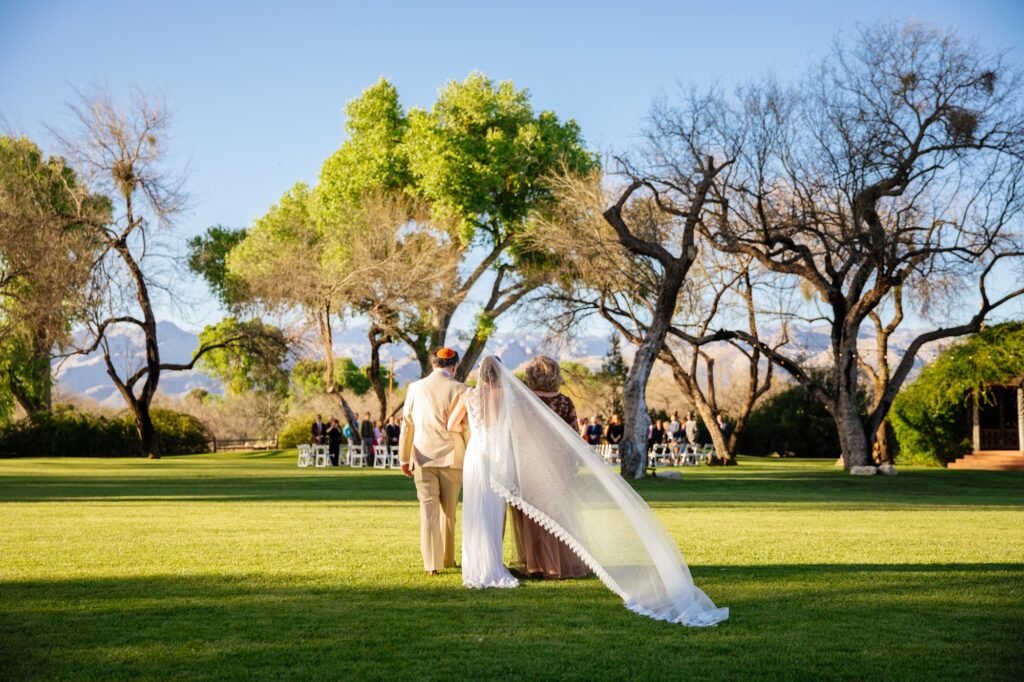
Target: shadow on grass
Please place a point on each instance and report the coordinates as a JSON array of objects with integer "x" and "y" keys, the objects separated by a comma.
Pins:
[
  {"x": 788, "y": 622},
  {"x": 835, "y": 490}
]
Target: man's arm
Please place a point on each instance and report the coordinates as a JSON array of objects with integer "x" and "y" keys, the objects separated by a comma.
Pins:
[{"x": 406, "y": 434}]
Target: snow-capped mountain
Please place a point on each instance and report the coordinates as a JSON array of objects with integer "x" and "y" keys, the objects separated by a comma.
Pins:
[{"x": 86, "y": 374}]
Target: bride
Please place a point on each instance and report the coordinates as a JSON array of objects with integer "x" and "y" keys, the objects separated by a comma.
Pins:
[{"x": 522, "y": 453}]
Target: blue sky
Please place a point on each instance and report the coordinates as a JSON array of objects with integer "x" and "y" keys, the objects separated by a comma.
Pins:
[{"x": 258, "y": 88}]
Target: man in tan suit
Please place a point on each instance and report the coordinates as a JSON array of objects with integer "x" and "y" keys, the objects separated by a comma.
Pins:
[{"x": 432, "y": 455}]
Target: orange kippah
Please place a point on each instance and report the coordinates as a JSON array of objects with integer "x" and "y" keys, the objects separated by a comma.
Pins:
[{"x": 445, "y": 353}]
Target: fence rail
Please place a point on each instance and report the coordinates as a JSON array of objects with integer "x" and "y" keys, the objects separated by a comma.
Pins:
[{"x": 223, "y": 444}]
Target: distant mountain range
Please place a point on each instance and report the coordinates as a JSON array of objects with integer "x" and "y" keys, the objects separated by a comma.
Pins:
[{"x": 86, "y": 375}]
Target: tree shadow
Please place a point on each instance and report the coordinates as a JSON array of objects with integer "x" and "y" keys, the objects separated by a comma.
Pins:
[
  {"x": 904, "y": 621},
  {"x": 273, "y": 477}
]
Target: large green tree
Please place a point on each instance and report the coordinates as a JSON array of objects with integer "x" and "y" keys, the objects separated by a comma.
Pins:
[
  {"x": 207, "y": 257},
  {"x": 45, "y": 257},
  {"x": 254, "y": 361},
  {"x": 479, "y": 156}
]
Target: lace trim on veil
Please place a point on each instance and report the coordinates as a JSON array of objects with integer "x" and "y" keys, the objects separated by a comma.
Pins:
[
  {"x": 553, "y": 527},
  {"x": 670, "y": 613}
]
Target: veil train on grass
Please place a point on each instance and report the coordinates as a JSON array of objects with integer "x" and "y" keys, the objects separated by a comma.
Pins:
[{"x": 541, "y": 466}]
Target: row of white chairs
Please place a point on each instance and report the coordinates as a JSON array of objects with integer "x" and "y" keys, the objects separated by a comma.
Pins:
[
  {"x": 348, "y": 455},
  {"x": 663, "y": 453}
]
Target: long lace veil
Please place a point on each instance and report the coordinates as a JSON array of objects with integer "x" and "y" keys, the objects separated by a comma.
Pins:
[{"x": 541, "y": 466}]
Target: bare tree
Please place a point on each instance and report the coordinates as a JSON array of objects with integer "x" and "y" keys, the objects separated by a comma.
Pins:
[
  {"x": 379, "y": 254},
  {"x": 722, "y": 289},
  {"x": 122, "y": 152},
  {"x": 597, "y": 275},
  {"x": 405, "y": 264},
  {"x": 655, "y": 224},
  {"x": 879, "y": 370},
  {"x": 898, "y": 161}
]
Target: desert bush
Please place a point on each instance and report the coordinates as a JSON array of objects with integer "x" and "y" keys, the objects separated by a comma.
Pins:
[{"x": 66, "y": 432}]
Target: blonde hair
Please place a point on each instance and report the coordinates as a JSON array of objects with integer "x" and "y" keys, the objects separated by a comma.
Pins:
[{"x": 543, "y": 374}]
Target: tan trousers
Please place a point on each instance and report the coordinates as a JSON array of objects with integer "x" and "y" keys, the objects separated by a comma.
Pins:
[{"x": 437, "y": 489}]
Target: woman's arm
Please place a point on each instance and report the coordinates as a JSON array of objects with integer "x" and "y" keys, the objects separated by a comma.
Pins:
[{"x": 457, "y": 417}]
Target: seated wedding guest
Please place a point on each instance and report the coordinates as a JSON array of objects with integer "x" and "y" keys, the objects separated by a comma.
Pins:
[
  {"x": 366, "y": 438},
  {"x": 674, "y": 436},
  {"x": 541, "y": 554},
  {"x": 319, "y": 431},
  {"x": 350, "y": 437},
  {"x": 334, "y": 440},
  {"x": 392, "y": 432},
  {"x": 582, "y": 424},
  {"x": 656, "y": 434},
  {"x": 595, "y": 431},
  {"x": 615, "y": 430}
]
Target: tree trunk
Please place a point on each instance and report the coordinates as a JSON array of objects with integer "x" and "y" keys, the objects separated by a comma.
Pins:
[
  {"x": 722, "y": 449},
  {"x": 636, "y": 421},
  {"x": 852, "y": 438},
  {"x": 147, "y": 432},
  {"x": 473, "y": 352},
  {"x": 883, "y": 443},
  {"x": 35, "y": 392},
  {"x": 378, "y": 338}
]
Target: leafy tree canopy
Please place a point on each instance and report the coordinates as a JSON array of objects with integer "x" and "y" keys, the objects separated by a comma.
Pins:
[
  {"x": 208, "y": 254},
  {"x": 246, "y": 355},
  {"x": 308, "y": 377},
  {"x": 929, "y": 416}
]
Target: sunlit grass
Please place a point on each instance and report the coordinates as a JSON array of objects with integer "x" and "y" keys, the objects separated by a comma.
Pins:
[{"x": 244, "y": 566}]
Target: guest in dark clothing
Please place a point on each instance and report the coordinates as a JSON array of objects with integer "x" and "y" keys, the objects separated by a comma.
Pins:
[
  {"x": 656, "y": 435},
  {"x": 366, "y": 438},
  {"x": 613, "y": 434},
  {"x": 318, "y": 432},
  {"x": 334, "y": 441},
  {"x": 595, "y": 431},
  {"x": 392, "y": 432}
]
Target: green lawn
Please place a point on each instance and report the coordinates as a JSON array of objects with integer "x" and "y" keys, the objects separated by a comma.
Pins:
[{"x": 246, "y": 567}]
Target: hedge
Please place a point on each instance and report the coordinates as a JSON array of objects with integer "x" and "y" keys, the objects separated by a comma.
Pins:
[{"x": 69, "y": 433}]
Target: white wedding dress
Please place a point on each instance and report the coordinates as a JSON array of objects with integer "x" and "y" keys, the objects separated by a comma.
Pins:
[
  {"x": 483, "y": 511},
  {"x": 521, "y": 452}
]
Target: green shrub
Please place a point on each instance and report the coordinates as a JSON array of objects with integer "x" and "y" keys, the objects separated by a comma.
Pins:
[
  {"x": 931, "y": 415},
  {"x": 793, "y": 423},
  {"x": 179, "y": 433},
  {"x": 295, "y": 431},
  {"x": 68, "y": 433}
]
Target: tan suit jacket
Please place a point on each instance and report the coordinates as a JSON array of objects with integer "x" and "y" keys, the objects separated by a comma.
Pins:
[{"x": 425, "y": 440}]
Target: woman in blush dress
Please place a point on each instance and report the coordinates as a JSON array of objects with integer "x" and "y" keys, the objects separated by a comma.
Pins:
[{"x": 540, "y": 553}]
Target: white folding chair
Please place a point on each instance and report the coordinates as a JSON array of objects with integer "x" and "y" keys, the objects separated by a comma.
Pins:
[
  {"x": 658, "y": 454},
  {"x": 321, "y": 456},
  {"x": 343, "y": 455},
  {"x": 305, "y": 457},
  {"x": 393, "y": 460},
  {"x": 707, "y": 452},
  {"x": 380, "y": 457},
  {"x": 613, "y": 453},
  {"x": 356, "y": 457}
]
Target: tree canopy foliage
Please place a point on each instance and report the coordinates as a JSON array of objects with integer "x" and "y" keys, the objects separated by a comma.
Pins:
[
  {"x": 247, "y": 355},
  {"x": 931, "y": 416}
]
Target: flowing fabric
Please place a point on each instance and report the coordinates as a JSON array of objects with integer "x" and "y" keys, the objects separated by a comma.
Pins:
[
  {"x": 540, "y": 466},
  {"x": 483, "y": 513}
]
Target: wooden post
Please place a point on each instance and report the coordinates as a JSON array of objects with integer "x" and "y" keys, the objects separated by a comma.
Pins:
[
  {"x": 975, "y": 426},
  {"x": 1020, "y": 418}
]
